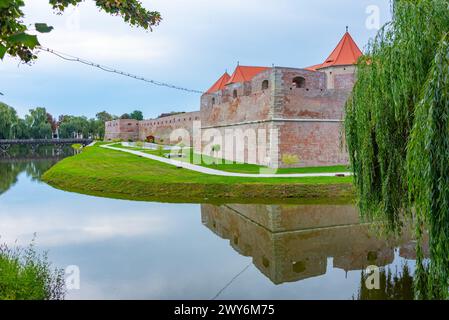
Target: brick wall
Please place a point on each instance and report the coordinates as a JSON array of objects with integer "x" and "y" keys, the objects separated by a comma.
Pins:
[
  {"x": 308, "y": 118},
  {"x": 314, "y": 113},
  {"x": 162, "y": 128},
  {"x": 123, "y": 129}
]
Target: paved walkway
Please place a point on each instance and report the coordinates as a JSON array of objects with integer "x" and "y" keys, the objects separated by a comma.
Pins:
[{"x": 214, "y": 172}]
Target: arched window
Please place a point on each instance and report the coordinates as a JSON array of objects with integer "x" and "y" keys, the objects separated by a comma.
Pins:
[
  {"x": 213, "y": 101},
  {"x": 265, "y": 84},
  {"x": 234, "y": 94},
  {"x": 299, "y": 82}
]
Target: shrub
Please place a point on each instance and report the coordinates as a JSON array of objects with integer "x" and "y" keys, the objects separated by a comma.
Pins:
[
  {"x": 290, "y": 159},
  {"x": 26, "y": 275},
  {"x": 140, "y": 144}
]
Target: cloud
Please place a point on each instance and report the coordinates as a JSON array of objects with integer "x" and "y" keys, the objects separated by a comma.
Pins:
[
  {"x": 107, "y": 48},
  {"x": 56, "y": 228}
]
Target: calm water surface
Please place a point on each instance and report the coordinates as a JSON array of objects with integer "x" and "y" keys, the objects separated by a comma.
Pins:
[{"x": 143, "y": 250}]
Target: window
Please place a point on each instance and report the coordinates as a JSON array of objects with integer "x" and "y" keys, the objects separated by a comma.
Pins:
[
  {"x": 234, "y": 94},
  {"x": 299, "y": 82},
  {"x": 213, "y": 101},
  {"x": 265, "y": 84}
]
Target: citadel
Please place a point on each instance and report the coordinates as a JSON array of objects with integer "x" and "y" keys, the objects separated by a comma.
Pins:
[{"x": 304, "y": 107}]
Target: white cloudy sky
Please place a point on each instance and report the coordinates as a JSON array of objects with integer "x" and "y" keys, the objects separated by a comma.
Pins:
[{"x": 196, "y": 42}]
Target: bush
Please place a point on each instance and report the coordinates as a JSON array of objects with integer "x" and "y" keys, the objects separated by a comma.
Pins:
[
  {"x": 290, "y": 159},
  {"x": 140, "y": 144},
  {"x": 25, "y": 275}
]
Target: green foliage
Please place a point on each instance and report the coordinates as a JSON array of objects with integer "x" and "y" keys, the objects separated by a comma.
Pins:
[
  {"x": 394, "y": 285},
  {"x": 104, "y": 116},
  {"x": 290, "y": 159},
  {"x": 160, "y": 150},
  {"x": 43, "y": 27},
  {"x": 26, "y": 275},
  {"x": 136, "y": 115},
  {"x": 397, "y": 129},
  {"x": 8, "y": 121},
  {"x": 37, "y": 122},
  {"x": 16, "y": 40},
  {"x": 428, "y": 170}
]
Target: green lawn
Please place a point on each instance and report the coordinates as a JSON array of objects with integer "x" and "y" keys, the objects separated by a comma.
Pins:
[
  {"x": 102, "y": 172},
  {"x": 220, "y": 164}
]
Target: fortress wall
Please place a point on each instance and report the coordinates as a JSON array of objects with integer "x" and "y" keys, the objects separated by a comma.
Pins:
[
  {"x": 313, "y": 115},
  {"x": 336, "y": 74},
  {"x": 228, "y": 142},
  {"x": 161, "y": 128},
  {"x": 250, "y": 110},
  {"x": 314, "y": 143},
  {"x": 313, "y": 131},
  {"x": 252, "y": 103},
  {"x": 123, "y": 129}
]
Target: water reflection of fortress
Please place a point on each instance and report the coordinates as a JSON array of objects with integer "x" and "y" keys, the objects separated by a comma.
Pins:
[{"x": 291, "y": 243}]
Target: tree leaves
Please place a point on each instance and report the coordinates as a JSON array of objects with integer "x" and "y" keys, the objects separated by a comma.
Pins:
[
  {"x": 25, "y": 39},
  {"x": 5, "y": 4},
  {"x": 397, "y": 124},
  {"x": 3, "y": 50},
  {"x": 19, "y": 44},
  {"x": 43, "y": 27}
]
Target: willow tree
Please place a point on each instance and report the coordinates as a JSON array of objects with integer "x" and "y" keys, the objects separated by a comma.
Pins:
[{"x": 397, "y": 129}]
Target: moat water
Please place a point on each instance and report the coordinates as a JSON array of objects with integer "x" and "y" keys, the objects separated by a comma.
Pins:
[{"x": 144, "y": 250}]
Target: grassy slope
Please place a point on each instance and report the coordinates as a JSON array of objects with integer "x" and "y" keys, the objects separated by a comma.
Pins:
[
  {"x": 207, "y": 161},
  {"x": 101, "y": 172}
]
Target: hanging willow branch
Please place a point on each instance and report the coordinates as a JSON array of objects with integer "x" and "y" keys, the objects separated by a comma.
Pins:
[
  {"x": 428, "y": 168},
  {"x": 397, "y": 127}
]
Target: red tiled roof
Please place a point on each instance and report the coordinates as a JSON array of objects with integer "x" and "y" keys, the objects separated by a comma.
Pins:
[
  {"x": 346, "y": 53},
  {"x": 220, "y": 84},
  {"x": 244, "y": 73},
  {"x": 314, "y": 68}
]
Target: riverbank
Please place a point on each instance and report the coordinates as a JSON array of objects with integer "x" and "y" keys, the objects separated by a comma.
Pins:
[{"x": 114, "y": 174}]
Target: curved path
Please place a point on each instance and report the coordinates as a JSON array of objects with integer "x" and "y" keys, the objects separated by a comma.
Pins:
[{"x": 214, "y": 172}]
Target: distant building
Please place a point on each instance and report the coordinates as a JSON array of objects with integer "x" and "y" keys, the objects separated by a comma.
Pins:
[{"x": 305, "y": 107}]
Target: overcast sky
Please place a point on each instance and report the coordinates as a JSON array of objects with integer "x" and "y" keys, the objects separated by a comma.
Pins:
[{"x": 195, "y": 43}]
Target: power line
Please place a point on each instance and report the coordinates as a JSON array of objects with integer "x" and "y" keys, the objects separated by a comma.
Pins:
[
  {"x": 71, "y": 58},
  {"x": 232, "y": 280}
]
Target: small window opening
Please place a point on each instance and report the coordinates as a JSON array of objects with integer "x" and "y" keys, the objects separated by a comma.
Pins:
[
  {"x": 299, "y": 82},
  {"x": 265, "y": 84}
]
